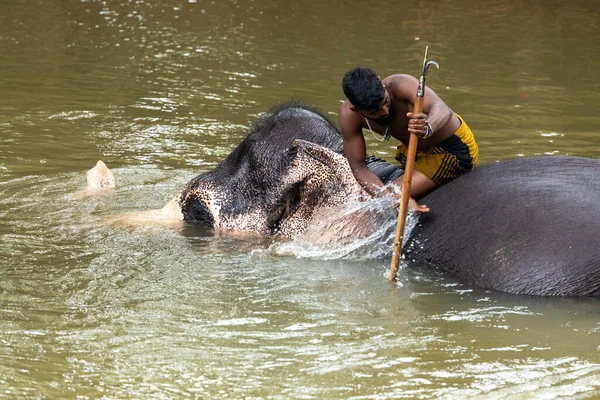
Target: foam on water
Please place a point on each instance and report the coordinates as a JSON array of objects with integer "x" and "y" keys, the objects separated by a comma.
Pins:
[{"x": 355, "y": 230}]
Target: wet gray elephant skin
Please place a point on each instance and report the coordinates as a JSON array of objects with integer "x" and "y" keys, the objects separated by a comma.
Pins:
[
  {"x": 523, "y": 226},
  {"x": 251, "y": 190}
]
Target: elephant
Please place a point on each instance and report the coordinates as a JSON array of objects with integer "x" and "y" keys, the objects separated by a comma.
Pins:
[{"x": 522, "y": 226}]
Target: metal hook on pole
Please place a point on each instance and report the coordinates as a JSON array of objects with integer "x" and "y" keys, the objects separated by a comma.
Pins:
[{"x": 426, "y": 65}]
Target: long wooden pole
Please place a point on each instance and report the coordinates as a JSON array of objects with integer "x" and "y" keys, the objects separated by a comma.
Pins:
[{"x": 408, "y": 171}]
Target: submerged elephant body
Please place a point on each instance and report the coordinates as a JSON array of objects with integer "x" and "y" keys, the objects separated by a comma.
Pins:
[{"x": 526, "y": 226}]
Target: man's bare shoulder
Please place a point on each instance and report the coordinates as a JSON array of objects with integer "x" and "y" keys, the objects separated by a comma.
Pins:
[
  {"x": 401, "y": 86},
  {"x": 348, "y": 113},
  {"x": 345, "y": 107},
  {"x": 349, "y": 119},
  {"x": 398, "y": 78},
  {"x": 399, "y": 83}
]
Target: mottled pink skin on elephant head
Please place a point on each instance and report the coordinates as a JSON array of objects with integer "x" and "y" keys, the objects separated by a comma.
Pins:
[{"x": 326, "y": 182}]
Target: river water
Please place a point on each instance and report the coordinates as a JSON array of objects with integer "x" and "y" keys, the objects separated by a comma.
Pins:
[{"x": 164, "y": 90}]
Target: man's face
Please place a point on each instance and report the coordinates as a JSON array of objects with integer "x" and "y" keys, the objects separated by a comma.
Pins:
[{"x": 382, "y": 115}]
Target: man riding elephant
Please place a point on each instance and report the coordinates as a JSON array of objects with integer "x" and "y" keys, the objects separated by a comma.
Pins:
[{"x": 446, "y": 147}]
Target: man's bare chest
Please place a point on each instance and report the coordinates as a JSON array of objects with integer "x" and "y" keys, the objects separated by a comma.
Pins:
[{"x": 396, "y": 125}]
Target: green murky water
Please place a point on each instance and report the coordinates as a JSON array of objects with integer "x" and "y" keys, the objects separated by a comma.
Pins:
[{"x": 162, "y": 91}]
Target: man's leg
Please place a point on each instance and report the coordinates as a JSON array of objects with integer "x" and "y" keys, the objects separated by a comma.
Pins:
[{"x": 420, "y": 185}]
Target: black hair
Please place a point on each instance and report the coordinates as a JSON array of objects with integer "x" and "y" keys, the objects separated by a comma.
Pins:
[{"x": 363, "y": 88}]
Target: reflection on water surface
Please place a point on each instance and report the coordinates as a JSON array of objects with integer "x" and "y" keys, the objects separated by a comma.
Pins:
[{"x": 163, "y": 91}]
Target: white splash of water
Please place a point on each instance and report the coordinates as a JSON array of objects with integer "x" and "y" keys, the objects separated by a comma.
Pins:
[{"x": 355, "y": 230}]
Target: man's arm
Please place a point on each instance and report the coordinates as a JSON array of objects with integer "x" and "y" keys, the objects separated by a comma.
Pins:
[
  {"x": 435, "y": 111},
  {"x": 355, "y": 150}
]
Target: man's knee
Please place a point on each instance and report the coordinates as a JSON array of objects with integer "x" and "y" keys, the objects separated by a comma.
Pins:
[{"x": 420, "y": 184}]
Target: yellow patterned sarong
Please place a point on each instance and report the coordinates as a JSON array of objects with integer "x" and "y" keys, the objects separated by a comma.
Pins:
[{"x": 446, "y": 160}]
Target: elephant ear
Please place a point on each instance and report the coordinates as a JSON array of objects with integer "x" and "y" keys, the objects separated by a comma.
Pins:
[
  {"x": 324, "y": 166},
  {"x": 317, "y": 178}
]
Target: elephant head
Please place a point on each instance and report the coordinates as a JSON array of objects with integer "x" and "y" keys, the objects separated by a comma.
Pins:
[{"x": 285, "y": 170}]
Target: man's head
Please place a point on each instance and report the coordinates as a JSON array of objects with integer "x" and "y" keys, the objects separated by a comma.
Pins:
[{"x": 364, "y": 89}]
